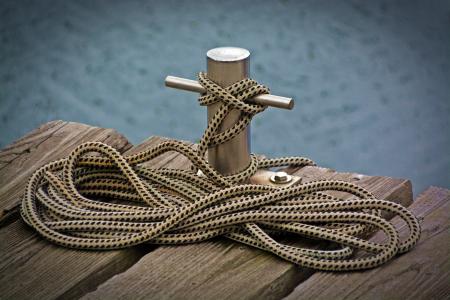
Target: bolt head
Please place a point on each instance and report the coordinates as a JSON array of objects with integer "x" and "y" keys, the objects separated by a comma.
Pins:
[{"x": 281, "y": 177}]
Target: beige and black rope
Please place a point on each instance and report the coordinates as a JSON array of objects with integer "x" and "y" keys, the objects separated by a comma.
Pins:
[{"x": 97, "y": 198}]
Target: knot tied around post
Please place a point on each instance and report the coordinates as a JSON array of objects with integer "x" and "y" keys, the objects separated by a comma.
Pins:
[
  {"x": 98, "y": 198},
  {"x": 231, "y": 97}
]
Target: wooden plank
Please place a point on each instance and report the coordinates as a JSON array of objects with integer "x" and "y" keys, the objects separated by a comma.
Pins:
[
  {"x": 32, "y": 268},
  {"x": 51, "y": 141},
  {"x": 224, "y": 269},
  {"x": 423, "y": 273}
]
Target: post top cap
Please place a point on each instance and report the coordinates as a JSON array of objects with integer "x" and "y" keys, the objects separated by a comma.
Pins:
[{"x": 228, "y": 54}]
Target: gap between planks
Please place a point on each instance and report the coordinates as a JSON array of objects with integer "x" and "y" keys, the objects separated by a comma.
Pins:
[
  {"x": 422, "y": 273},
  {"x": 220, "y": 268},
  {"x": 51, "y": 141},
  {"x": 49, "y": 271},
  {"x": 31, "y": 267}
]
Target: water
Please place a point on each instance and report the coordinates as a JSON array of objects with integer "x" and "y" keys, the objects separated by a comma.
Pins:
[{"x": 371, "y": 80}]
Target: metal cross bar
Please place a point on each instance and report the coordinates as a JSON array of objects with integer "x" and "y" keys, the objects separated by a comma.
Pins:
[
  {"x": 225, "y": 66},
  {"x": 194, "y": 86}
]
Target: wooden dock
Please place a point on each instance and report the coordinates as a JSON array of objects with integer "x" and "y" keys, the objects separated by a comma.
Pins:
[{"x": 32, "y": 268}]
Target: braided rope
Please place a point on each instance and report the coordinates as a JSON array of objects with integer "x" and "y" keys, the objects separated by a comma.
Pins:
[{"x": 111, "y": 201}]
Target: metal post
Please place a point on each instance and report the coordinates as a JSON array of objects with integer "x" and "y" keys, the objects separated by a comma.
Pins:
[{"x": 225, "y": 66}]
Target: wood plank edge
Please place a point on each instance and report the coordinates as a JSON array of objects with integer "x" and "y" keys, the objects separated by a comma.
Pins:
[
  {"x": 10, "y": 214},
  {"x": 123, "y": 261},
  {"x": 416, "y": 207},
  {"x": 403, "y": 188},
  {"x": 284, "y": 284},
  {"x": 34, "y": 132},
  {"x": 91, "y": 282}
]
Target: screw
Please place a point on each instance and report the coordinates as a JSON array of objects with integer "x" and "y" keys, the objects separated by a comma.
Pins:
[{"x": 280, "y": 177}]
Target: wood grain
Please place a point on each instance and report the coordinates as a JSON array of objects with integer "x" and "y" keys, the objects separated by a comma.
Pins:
[
  {"x": 33, "y": 268},
  {"x": 423, "y": 273},
  {"x": 51, "y": 141},
  {"x": 222, "y": 269}
]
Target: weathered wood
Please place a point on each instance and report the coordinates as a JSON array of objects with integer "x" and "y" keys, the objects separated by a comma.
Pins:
[
  {"x": 33, "y": 268},
  {"x": 51, "y": 141},
  {"x": 423, "y": 273},
  {"x": 224, "y": 269}
]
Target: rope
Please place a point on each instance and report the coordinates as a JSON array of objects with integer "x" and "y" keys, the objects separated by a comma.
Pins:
[{"x": 97, "y": 198}]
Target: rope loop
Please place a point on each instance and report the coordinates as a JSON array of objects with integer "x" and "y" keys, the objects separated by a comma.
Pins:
[
  {"x": 111, "y": 201},
  {"x": 231, "y": 97}
]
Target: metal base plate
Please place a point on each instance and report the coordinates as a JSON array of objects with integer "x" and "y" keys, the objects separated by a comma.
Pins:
[{"x": 263, "y": 177}]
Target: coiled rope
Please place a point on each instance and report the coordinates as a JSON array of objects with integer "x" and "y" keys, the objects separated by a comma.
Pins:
[{"x": 109, "y": 201}]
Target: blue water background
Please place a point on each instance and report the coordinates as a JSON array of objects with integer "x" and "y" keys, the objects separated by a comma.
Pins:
[{"x": 371, "y": 78}]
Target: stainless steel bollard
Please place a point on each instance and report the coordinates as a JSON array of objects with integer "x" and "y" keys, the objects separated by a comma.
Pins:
[{"x": 225, "y": 66}]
